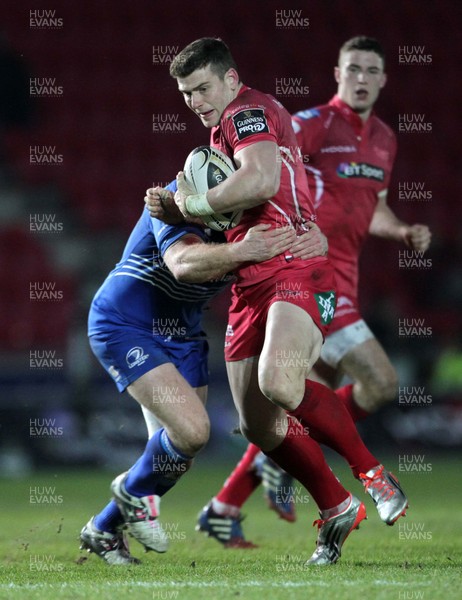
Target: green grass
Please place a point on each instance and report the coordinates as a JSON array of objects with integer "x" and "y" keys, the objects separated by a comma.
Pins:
[{"x": 378, "y": 562}]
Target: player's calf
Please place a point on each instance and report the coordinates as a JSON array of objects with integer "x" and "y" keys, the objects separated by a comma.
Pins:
[{"x": 381, "y": 390}]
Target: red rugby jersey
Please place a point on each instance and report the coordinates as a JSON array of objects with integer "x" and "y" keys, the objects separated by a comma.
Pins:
[
  {"x": 254, "y": 117},
  {"x": 348, "y": 163}
]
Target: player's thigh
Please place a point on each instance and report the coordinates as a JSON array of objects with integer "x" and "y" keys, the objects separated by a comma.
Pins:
[
  {"x": 292, "y": 346},
  {"x": 172, "y": 400},
  {"x": 261, "y": 421},
  {"x": 368, "y": 364}
]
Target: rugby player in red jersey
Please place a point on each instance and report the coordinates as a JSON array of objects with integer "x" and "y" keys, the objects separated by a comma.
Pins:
[
  {"x": 351, "y": 153},
  {"x": 281, "y": 310}
]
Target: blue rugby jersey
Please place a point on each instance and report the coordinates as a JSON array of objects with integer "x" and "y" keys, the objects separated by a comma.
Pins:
[{"x": 141, "y": 292}]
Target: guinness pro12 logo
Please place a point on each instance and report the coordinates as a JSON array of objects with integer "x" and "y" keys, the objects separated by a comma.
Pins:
[{"x": 250, "y": 121}]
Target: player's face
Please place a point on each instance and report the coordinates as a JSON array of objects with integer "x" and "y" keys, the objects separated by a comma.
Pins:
[
  {"x": 207, "y": 95},
  {"x": 360, "y": 78}
]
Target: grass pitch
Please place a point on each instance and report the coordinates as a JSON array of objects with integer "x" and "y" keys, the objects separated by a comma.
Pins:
[{"x": 418, "y": 558}]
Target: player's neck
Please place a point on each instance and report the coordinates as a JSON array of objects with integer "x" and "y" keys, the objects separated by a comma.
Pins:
[
  {"x": 364, "y": 116},
  {"x": 240, "y": 85}
]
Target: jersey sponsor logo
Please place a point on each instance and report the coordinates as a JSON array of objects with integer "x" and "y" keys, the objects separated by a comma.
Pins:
[
  {"x": 248, "y": 122},
  {"x": 333, "y": 149},
  {"x": 308, "y": 114},
  {"x": 326, "y": 306},
  {"x": 136, "y": 357},
  {"x": 353, "y": 170},
  {"x": 229, "y": 331}
]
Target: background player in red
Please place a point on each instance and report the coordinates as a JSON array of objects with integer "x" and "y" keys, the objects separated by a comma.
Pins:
[
  {"x": 351, "y": 154},
  {"x": 281, "y": 310}
]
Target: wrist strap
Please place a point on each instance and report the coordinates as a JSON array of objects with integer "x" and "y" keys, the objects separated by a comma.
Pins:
[{"x": 197, "y": 205}]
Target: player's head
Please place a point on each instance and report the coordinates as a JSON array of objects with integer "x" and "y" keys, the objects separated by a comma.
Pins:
[
  {"x": 207, "y": 77},
  {"x": 360, "y": 73}
]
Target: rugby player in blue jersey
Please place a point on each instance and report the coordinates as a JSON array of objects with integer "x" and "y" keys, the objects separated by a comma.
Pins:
[{"x": 145, "y": 329}]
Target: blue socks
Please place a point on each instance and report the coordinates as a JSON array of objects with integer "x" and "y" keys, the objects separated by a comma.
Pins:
[
  {"x": 155, "y": 472},
  {"x": 109, "y": 518},
  {"x": 158, "y": 468}
]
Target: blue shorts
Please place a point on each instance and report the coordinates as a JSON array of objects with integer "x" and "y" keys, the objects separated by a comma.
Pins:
[{"x": 129, "y": 353}]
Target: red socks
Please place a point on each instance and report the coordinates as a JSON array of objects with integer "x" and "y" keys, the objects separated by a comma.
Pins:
[
  {"x": 329, "y": 417},
  {"x": 345, "y": 395},
  {"x": 330, "y": 423},
  {"x": 242, "y": 481},
  {"x": 302, "y": 458}
]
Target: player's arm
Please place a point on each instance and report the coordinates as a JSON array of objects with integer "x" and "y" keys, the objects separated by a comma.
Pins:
[
  {"x": 385, "y": 224},
  {"x": 256, "y": 180},
  {"x": 192, "y": 260}
]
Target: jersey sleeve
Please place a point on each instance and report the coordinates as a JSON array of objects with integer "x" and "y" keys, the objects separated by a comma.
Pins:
[
  {"x": 166, "y": 235},
  {"x": 309, "y": 129},
  {"x": 250, "y": 123}
]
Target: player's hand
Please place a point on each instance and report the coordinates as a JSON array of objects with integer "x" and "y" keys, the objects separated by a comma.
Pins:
[
  {"x": 262, "y": 242},
  {"x": 184, "y": 190},
  {"x": 418, "y": 237},
  {"x": 310, "y": 244},
  {"x": 161, "y": 205}
]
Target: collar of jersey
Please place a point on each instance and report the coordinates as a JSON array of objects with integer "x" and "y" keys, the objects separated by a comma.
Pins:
[{"x": 349, "y": 114}]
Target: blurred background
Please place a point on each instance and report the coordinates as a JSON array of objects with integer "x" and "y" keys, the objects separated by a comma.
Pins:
[{"x": 89, "y": 119}]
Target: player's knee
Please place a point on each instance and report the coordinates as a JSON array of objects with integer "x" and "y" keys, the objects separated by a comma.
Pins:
[
  {"x": 194, "y": 436},
  {"x": 282, "y": 389},
  {"x": 199, "y": 437}
]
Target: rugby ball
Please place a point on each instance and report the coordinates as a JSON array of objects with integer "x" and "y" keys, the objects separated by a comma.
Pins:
[{"x": 205, "y": 168}]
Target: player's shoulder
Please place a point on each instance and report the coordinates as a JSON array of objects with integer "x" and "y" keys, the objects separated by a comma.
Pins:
[
  {"x": 250, "y": 98},
  {"x": 251, "y": 112},
  {"x": 314, "y": 116},
  {"x": 383, "y": 129},
  {"x": 310, "y": 113},
  {"x": 312, "y": 121}
]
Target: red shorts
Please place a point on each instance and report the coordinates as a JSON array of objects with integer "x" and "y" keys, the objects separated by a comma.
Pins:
[{"x": 311, "y": 287}]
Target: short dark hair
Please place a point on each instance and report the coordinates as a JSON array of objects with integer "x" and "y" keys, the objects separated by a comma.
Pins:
[
  {"x": 199, "y": 54},
  {"x": 362, "y": 42}
]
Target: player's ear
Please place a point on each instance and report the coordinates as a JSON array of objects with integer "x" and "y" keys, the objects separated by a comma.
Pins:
[
  {"x": 232, "y": 78},
  {"x": 383, "y": 80},
  {"x": 337, "y": 74}
]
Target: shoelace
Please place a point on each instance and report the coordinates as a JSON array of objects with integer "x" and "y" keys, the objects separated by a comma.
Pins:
[
  {"x": 377, "y": 482},
  {"x": 319, "y": 523}
]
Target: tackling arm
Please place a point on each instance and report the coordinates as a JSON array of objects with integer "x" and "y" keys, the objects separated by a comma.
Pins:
[
  {"x": 192, "y": 260},
  {"x": 385, "y": 224}
]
